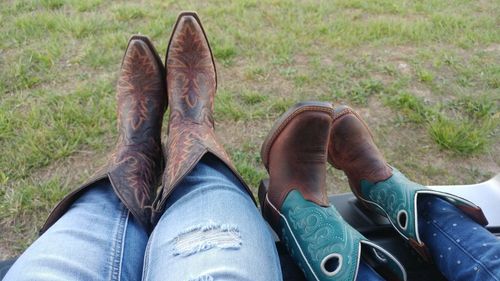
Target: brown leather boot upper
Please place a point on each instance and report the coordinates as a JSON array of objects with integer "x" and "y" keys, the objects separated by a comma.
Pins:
[
  {"x": 353, "y": 150},
  {"x": 295, "y": 156},
  {"x": 191, "y": 81},
  {"x": 138, "y": 162},
  {"x": 135, "y": 167}
]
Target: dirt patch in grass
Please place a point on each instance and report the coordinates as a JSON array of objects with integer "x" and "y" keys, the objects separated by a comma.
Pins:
[
  {"x": 6, "y": 250},
  {"x": 242, "y": 133},
  {"x": 73, "y": 170},
  {"x": 492, "y": 48},
  {"x": 76, "y": 167},
  {"x": 238, "y": 77}
]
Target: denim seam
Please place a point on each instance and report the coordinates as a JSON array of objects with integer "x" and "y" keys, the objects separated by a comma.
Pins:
[
  {"x": 122, "y": 250},
  {"x": 117, "y": 246},
  {"x": 145, "y": 266},
  {"x": 463, "y": 250}
]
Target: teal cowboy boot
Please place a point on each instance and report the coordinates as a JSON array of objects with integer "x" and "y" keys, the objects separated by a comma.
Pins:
[
  {"x": 295, "y": 203},
  {"x": 377, "y": 185}
]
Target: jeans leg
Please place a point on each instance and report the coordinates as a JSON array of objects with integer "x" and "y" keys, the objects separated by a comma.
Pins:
[
  {"x": 96, "y": 239},
  {"x": 462, "y": 249},
  {"x": 366, "y": 273},
  {"x": 211, "y": 230}
]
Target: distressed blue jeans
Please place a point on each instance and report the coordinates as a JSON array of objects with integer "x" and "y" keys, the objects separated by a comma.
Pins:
[{"x": 211, "y": 230}]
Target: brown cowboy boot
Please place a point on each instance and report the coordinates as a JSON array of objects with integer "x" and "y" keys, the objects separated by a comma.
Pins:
[
  {"x": 295, "y": 203},
  {"x": 294, "y": 154},
  {"x": 377, "y": 185},
  {"x": 353, "y": 150},
  {"x": 134, "y": 168},
  {"x": 191, "y": 86}
]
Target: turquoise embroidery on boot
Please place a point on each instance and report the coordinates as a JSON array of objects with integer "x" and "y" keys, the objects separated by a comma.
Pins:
[
  {"x": 325, "y": 246},
  {"x": 395, "y": 198},
  {"x": 313, "y": 233}
]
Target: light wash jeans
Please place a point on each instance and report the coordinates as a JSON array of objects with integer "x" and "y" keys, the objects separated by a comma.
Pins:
[{"x": 210, "y": 231}]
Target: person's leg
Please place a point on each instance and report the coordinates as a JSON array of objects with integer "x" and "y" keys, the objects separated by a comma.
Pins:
[
  {"x": 366, "y": 273},
  {"x": 96, "y": 239},
  {"x": 211, "y": 230},
  {"x": 462, "y": 249}
]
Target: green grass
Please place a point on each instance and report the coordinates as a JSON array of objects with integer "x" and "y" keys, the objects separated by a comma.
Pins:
[
  {"x": 462, "y": 137},
  {"x": 464, "y": 126},
  {"x": 425, "y": 74}
]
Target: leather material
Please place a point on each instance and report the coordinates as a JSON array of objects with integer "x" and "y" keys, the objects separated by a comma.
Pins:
[
  {"x": 377, "y": 185},
  {"x": 315, "y": 235},
  {"x": 311, "y": 233},
  {"x": 294, "y": 154},
  {"x": 136, "y": 164},
  {"x": 295, "y": 203},
  {"x": 192, "y": 83},
  {"x": 353, "y": 150}
]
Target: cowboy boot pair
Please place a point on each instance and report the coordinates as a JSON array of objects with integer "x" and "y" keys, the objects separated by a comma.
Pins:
[
  {"x": 136, "y": 166},
  {"x": 379, "y": 186},
  {"x": 295, "y": 203}
]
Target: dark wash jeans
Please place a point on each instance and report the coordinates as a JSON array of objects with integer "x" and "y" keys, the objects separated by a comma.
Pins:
[{"x": 462, "y": 249}]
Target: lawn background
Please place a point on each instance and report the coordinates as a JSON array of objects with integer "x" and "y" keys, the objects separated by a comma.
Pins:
[{"x": 424, "y": 74}]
